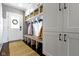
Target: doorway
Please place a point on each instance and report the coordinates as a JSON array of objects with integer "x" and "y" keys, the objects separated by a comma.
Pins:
[{"x": 15, "y": 26}]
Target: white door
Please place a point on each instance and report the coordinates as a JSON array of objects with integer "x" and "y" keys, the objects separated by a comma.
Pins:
[
  {"x": 15, "y": 26},
  {"x": 52, "y": 29},
  {"x": 71, "y": 28}
]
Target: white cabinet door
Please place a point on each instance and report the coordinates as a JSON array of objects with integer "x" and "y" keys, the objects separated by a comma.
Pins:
[
  {"x": 71, "y": 18},
  {"x": 72, "y": 44},
  {"x": 52, "y": 17},
  {"x": 65, "y": 22},
  {"x": 52, "y": 27},
  {"x": 71, "y": 27}
]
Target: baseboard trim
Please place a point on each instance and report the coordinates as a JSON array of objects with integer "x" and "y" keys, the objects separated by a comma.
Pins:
[
  {"x": 16, "y": 40},
  {"x": 46, "y": 53}
]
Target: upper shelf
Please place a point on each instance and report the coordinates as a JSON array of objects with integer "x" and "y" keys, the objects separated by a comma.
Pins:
[
  {"x": 37, "y": 12},
  {"x": 30, "y": 19}
]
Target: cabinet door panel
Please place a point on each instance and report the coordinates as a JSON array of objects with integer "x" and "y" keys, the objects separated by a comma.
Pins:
[
  {"x": 71, "y": 26},
  {"x": 50, "y": 43},
  {"x": 71, "y": 18},
  {"x": 52, "y": 17},
  {"x": 73, "y": 44},
  {"x": 52, "y": 28}
]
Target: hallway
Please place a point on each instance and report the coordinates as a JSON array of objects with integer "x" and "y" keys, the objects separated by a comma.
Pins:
[
  {"x": 16, "y": 29},
  {"x": 38, "y": 29}
]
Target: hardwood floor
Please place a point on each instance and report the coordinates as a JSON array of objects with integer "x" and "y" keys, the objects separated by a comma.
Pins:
[
  {"x": 5, "y": 49},
  {"x": 17, "y": 48}
]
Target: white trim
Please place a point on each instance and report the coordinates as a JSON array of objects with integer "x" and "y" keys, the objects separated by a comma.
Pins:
[{"x": 47, "y": 54}]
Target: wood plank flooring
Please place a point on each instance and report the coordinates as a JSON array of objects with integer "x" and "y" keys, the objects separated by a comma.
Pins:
[{"x": 18, "y": 48}]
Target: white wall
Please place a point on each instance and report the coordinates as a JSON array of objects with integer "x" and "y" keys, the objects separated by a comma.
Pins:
[{"x": 1, "y": 23}]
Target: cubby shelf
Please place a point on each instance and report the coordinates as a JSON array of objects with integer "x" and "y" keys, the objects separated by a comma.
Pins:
[
  {"x": 37, "y": 12},
  {"x": 30, "y": 19}
]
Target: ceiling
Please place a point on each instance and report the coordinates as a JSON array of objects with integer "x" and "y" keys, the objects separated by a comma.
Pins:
[{"x": 23, "y": 6}]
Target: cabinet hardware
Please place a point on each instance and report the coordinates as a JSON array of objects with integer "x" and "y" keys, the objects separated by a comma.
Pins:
[
  {"x": 65, "y": 7},
  {"x": 64, "y": 37},
  {"x": 59, "y": 6},
  {"x": 60, "y": 37}
]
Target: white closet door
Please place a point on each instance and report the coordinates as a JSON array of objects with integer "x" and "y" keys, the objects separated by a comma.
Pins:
[
  {"x": 71, "y": 18},
  {"x": 73, "y": 44},
  {"x": 71, "y": 27},
  {"x": 52, "y": 28}
]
